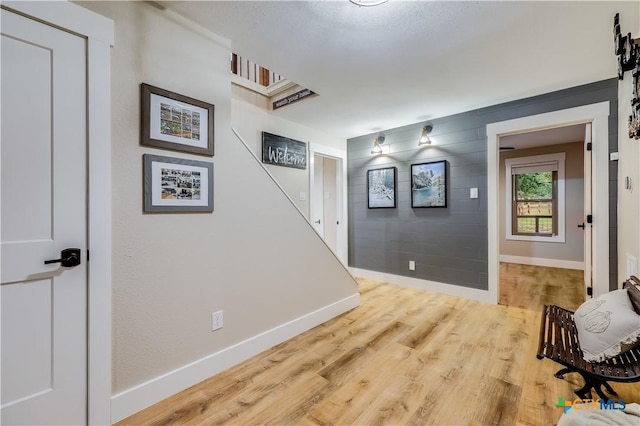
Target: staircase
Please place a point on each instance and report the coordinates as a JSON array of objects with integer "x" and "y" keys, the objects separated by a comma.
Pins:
[{"x": 279, "y": 90}]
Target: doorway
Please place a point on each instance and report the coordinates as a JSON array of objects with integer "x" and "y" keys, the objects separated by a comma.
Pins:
[
  {"x": 327, "y": 183},
  {"x": 542, "y": 211},
  {"x": 597, "y": 248},
  {"x": 324, "y": 215}
]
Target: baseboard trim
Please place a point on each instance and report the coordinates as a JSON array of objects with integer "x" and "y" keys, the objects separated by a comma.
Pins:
[
  {"x": 449, "y": 289},
  {"x": 538, "y": 261},
  {"x": 130, "y": 401}
]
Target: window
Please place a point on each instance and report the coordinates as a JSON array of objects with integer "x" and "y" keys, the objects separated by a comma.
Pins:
[
  {"x": 534, "y": 202},
  {"x": 535, "y": 198}
]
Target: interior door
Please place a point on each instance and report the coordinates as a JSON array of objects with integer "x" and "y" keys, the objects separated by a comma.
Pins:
[
  {"x": 317, "y": 195},
  {"x": 330, "y": 202},
  {"x": 587, "y": 226},
  {"x": 43, "y": 211}
]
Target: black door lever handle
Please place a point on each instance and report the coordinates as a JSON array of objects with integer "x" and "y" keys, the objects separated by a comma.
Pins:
[
  {"x": 68, "y": 258},
  {"x": 581, "y": 226}
]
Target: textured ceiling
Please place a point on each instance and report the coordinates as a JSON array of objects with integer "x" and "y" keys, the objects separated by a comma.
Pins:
[{"x": 404, "y": 62}]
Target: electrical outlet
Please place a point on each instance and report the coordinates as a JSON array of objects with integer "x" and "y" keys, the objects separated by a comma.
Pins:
[
  {"x": 412, "y": 265},
  {"x": 216, "y": 321}
]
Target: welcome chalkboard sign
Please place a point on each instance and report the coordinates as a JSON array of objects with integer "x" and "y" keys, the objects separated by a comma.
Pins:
[{"x": 285, "y": 152}]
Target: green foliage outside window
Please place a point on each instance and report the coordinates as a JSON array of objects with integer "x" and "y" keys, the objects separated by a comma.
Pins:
[
  {"x": 535, "y": 186},
  {"x": 534, "y": 203}
]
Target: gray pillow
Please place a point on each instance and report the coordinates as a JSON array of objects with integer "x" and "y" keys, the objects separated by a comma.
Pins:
[{"x": 607, "y": 326}]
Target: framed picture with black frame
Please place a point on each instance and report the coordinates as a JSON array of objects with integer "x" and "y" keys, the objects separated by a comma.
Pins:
[
  {"x": 381, "y": 188},
  {"x": 175, "y": 122},
  {"x": 429, "y": 184}
]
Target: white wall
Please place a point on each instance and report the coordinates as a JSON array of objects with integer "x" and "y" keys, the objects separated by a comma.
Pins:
[
  {"x": 250, "y": 117},
  {"x": 256, "y": 258},
  {"x": 628, "y": 166},
  {"x": 572, "y": 249}
]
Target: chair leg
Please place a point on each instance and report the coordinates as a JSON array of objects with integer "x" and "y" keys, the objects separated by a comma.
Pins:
[
  {"x": 609, "y": 389},
  {"x": 598, "y": 388},
  {"x": 591, "y": 382},
  {"x": 560, "y": 373},
  {"x": 585, "y": 391}
]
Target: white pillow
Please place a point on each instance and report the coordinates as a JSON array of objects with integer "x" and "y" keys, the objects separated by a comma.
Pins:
[{"x": 607, "y": 326}]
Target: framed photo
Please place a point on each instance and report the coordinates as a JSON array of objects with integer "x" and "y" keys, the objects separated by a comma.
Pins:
[
  {"x": 175, "y": 122},
  {"x": 176, "y": 185},
  {"x": 429, "y": 184},
  {"x": 381, "y": 188}
]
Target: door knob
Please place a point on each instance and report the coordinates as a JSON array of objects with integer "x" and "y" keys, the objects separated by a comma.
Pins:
[
  {"x": 68, "y": 258},
  {"x": 581, "y": 226}
]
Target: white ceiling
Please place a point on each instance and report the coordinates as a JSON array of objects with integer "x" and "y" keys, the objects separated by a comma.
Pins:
[{"x": 404, "y": 62}]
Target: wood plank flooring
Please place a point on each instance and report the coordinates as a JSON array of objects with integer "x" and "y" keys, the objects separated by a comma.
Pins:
[
  {"x": 405, "y": 356},
  {"x": 532, "y": 287}
]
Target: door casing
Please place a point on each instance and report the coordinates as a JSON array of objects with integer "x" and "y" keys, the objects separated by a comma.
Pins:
[
  {"x": 596, "y": 114},
  {"x": 99, "y": 33},
  {"x": 341, "y": 157}
]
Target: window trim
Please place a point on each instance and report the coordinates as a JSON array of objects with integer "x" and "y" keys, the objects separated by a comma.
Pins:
[{"x": 560, "y": 158}]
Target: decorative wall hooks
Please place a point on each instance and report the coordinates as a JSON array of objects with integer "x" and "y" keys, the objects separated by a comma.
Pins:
[
  {"x": 628, "y": 51},
  {"x": 625, "y": 48},
  {"x": 634, "y": 118}
]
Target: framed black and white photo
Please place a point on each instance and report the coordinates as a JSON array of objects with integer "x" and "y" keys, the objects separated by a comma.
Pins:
[
  {"x": 429, "y": 184},
  {"x": 177, "y": 185},
  {"x": 175, "y": 122},
  {"x": 381, "y": 188}
]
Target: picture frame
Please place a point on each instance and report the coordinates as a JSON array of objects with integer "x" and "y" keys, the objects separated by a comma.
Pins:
[
  {"x": 177, "y": 185},
  {"x": 429, "y": 184},
  {"x": 175, "y": 122},
  {"x": 381, "y": 188}
]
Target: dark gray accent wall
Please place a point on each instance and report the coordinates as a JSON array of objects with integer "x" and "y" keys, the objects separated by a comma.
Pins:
[{"x": 449, "y": 245}]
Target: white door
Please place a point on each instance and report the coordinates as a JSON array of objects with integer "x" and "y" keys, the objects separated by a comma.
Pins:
[
  {"x": 588, "y": 228},
  {"x": 317, "y": 199},
  {"x": 325, "y": 199},
  {"x": 43, "y": 211},
  {"x": 330, "y": 202}
]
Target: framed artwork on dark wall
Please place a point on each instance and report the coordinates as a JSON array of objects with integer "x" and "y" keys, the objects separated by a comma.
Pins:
[
  {"x": 429, "y": 184},
  {"x": 175, "y": 122},
  {"x": 381, "y": 188},
  {"x": 177, "y": 185}
]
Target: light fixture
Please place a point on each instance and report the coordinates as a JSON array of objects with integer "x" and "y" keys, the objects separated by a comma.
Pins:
[
  {"x": 368, "y": 2},
  {"x": 377, "y": 149},
  {"x": 424, "y": 138}
]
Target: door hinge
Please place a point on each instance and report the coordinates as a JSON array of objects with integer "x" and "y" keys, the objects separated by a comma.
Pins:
[
  {"x": 589, "y": 218},
  {"x": 87, "y": 255},
  {"x": 588, "y": 146},
  {"x": 589, "y": 291}
]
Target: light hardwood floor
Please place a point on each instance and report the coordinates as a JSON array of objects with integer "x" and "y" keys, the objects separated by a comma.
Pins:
[
  {"x": 532, "y": 287},
  {"x": 405, "y": 356}
]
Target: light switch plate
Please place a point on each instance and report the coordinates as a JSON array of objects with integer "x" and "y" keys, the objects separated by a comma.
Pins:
[
  {"x": 473, "y": 193},
  {"x": 302, "y": 196}
]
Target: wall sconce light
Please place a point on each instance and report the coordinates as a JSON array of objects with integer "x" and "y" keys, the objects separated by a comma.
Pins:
[
  {"x": 377, "y": 149},
  {"x": 424, "y": 138},
  {"x": 368, "y": 2}
]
